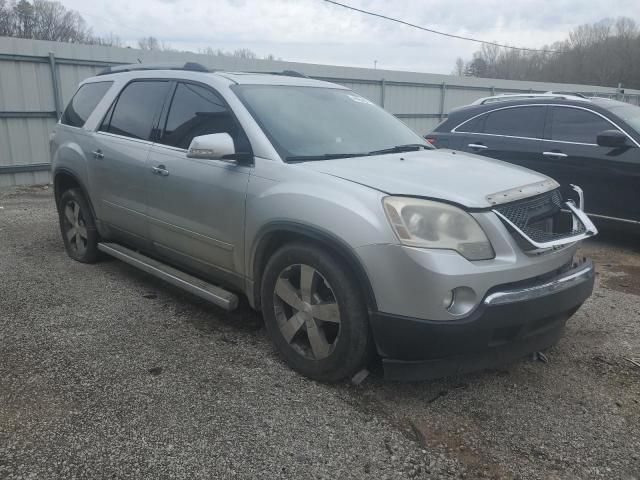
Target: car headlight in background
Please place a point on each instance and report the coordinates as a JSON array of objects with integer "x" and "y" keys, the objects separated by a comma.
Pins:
[{"x": 429, "y": 224}]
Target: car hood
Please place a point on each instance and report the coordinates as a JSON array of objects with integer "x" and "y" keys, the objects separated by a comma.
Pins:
[{"x": 465, "y": 179}]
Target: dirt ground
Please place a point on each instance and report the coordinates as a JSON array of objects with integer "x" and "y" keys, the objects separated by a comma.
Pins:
[{"x": 106, "y": 372}]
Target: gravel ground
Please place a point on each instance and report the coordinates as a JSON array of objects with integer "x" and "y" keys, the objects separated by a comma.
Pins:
[{"x": 107, "y": 373}]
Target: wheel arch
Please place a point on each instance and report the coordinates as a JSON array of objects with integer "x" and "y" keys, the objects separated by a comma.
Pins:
[
  {"x": 274, "y": 235},
  {"x": 63, "y": 180}
]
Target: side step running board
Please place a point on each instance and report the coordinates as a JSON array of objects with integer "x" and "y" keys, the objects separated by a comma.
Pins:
[{"x": 202, "y": 289}]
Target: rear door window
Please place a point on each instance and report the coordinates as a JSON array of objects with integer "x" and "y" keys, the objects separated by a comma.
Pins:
[
  {"x": 525, "y": 122},
  {"x": 84, "y": 103},
  {"x": 136, "y": 111},
  {"x": 577, "y": 125},
  {"x": 195, "y": 111}
]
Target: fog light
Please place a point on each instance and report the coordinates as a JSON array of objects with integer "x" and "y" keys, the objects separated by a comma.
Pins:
[{"x": 462, "y": 301}]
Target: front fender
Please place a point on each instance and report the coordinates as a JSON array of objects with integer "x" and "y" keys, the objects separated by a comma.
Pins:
[{"x": 331, "y": 210}]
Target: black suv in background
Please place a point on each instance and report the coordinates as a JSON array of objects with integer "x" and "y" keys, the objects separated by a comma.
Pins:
[{"x": 591, "y": 142}]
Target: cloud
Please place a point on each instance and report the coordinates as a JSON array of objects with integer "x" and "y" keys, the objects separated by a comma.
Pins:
[{"x": 317, "y": 32}]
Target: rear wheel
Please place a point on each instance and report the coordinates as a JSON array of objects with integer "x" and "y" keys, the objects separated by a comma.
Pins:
[
  {"x": 78, "y": 227},
  {"x": 315, "y": 314}
]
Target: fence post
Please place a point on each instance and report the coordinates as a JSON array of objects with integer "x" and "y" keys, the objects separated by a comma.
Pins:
[
  {"x": 443, "y": 94},
  {"x": 55, "y": 81},
  {"x": 383, "y": 85}
]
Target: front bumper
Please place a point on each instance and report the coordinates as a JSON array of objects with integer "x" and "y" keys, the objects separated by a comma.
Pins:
[{"x": 512, "y": 321}]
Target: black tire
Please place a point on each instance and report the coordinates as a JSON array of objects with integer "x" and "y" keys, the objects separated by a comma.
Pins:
[
  {"x": 349, "y": 340},
  {"x": 78, "y": 227}
]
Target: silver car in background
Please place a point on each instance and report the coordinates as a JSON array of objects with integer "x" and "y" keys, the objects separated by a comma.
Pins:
[{"x": 352, "y": 236}]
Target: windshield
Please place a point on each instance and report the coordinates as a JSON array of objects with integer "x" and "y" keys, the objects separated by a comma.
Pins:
[
  {"x": 317, "y": 123},
  {"x": 629, "y": 113}
]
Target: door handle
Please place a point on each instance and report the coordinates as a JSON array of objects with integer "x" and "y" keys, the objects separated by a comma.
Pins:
[
  {"x": 160, "y": 170},
  {"x": 97, "y": 154},
  {"x": 477, "y": 146},
  {"x": 555, "y": 154}
]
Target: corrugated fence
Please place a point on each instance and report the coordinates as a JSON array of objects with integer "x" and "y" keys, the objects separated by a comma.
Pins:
[{"x": 38, "y": 78}]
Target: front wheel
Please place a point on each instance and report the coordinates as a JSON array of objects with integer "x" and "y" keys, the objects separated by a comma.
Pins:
[
  {"x": 78, "y": 227},
  {"x": 315, "y": 314}
]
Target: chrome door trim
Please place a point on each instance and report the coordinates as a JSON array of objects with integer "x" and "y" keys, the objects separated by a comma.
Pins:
[{"x": 478, "y": 146}]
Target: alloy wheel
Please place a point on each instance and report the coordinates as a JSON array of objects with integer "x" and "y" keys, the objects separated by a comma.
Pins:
[
  {"x": 75, "y": 229},
  {"x": 307, "y": 311}
]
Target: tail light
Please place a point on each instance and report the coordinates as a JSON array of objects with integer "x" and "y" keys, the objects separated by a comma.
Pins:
[{"x": 431, "y": 140}]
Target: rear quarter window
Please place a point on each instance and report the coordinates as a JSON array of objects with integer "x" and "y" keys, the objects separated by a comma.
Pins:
[
  {"x": 475, "y": 125},
  {"x": 84, "y": 103}
]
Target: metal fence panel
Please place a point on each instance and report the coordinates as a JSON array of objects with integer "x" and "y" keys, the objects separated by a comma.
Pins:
[
  {"x": 32, "y": 93},
  {"x": 370, "y": 91}
]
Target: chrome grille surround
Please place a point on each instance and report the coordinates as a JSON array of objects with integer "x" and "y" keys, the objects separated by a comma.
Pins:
[{"x": 533, "y": 219}]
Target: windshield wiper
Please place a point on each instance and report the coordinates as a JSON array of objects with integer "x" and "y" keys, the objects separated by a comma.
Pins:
[
  {"x": 326, "y": 156},
  {"x": 410, "y": 147}
]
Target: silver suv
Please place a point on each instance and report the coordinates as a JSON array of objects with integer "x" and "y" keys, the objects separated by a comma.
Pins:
[{"x": 353, "y": 236}]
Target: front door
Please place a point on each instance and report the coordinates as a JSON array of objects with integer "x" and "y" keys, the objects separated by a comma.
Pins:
[
  {"x": 197, "y": 207},
  {"x": 608, "y": 176}
]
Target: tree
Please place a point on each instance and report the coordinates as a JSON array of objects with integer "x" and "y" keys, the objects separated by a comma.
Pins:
[
  {"x": 42, "y": 20},
  {"x": 459, "y": 68},
  {"x": 604, "y": 53},
  {"x": 110, "y": 40},
  {"x": 23, "y": 14},
  {"x": 149, "y": 43},
  {"x": 238, "y": 53},
  {"x": 6, "y": 20},
  {"x": 476, "y": 68},
  {"x": 244, "y": 53}
]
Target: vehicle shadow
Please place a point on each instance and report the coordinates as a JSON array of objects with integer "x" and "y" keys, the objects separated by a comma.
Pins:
[{"x": 202, "y": 315}]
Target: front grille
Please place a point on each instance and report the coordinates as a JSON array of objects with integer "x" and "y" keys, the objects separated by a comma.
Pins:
[{"x": 541, "y": 219}]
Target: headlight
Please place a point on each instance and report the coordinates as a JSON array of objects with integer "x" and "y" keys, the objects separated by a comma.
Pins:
[{"x": 423, "y": 223}]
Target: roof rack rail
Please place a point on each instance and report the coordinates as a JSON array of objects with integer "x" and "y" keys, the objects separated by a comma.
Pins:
[
  {"x": 573, "y": 94},
  {"x": 293, "y": 73},
  {"x": 285, "y": 73},
  {"x": 523, "y": 96},
  {"x": 190, "y": 66}
]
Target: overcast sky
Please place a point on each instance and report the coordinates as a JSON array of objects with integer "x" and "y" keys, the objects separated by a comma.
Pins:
[{"x": 317, "y": 32}]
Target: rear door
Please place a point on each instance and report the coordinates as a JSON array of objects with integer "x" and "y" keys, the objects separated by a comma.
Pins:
[
  {"x": 123, "y": 143},
  {"x": 511, "y": 134},
  {"x": 197, "y": 207},
  {"x": 608, "y": 176}
]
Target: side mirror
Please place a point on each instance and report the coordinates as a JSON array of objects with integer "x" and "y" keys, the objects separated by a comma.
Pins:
[
  {"x": 215, "y": 146},
  {"x": 612, "y": 138}
]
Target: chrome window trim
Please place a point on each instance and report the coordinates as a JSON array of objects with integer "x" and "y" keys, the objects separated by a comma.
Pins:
[
  {"x": 218, "y": 162},
  {"x": 115, "y": 135},
  {"x": 455, "y": 129},
  {"x": 171, "y": 147}
]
